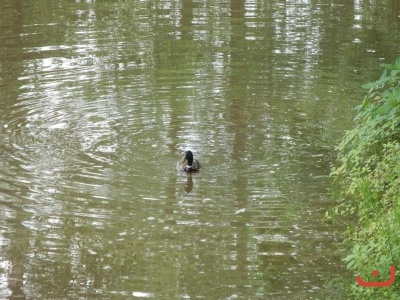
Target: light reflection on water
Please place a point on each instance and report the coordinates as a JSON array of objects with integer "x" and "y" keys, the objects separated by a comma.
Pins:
[{"x": 97, "y": 109}]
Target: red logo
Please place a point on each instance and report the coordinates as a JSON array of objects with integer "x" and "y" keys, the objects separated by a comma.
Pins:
[{"x": 378, "y": 283}]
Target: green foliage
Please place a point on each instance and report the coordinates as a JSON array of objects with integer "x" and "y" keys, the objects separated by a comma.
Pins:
[{"x": 367, "y": 179}]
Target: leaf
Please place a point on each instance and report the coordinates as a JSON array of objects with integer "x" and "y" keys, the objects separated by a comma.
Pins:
[
  {"x": 348, "y": 258},
  {"x": 369, "y": 85},
  {"x": 395, "y": 66},
  {"x": 351, "y": 265},
  {"x": 384, "y": 108}
]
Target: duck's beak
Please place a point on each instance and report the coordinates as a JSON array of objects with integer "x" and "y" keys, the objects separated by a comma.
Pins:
[{"x": 184, "y": 159}]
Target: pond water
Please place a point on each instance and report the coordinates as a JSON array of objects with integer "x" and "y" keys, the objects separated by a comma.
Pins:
[{"x": 100, "y": 99}]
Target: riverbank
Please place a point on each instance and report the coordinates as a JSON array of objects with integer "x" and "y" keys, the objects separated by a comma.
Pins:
[{"x": 367, "y": 186}]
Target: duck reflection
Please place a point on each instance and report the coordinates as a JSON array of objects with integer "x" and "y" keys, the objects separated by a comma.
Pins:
[{"x": 189, "y": 183}]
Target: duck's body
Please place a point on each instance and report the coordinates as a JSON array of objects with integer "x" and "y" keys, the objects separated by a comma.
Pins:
[{"x": 188, "y": 163}]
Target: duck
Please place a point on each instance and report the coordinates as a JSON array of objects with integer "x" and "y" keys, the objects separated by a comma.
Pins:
[{"x": 188, "y": 163}]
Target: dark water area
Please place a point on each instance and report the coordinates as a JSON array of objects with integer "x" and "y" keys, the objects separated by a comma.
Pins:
[{"x": 100, "y": 99}]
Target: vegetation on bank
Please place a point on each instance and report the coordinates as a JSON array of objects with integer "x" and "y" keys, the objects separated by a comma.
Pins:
[{"x": 367, "y": 184}]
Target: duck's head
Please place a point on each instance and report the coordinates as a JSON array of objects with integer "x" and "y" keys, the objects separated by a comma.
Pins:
[{"x": 188, "y": 157}]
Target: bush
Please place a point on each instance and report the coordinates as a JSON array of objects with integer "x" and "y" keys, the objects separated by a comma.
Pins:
[{"x": 368, "y": 180}]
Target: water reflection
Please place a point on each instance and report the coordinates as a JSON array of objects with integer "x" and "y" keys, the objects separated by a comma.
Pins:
[
  {"x": 100, "y": 98},
  {"x": 189, "y": 183}
]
